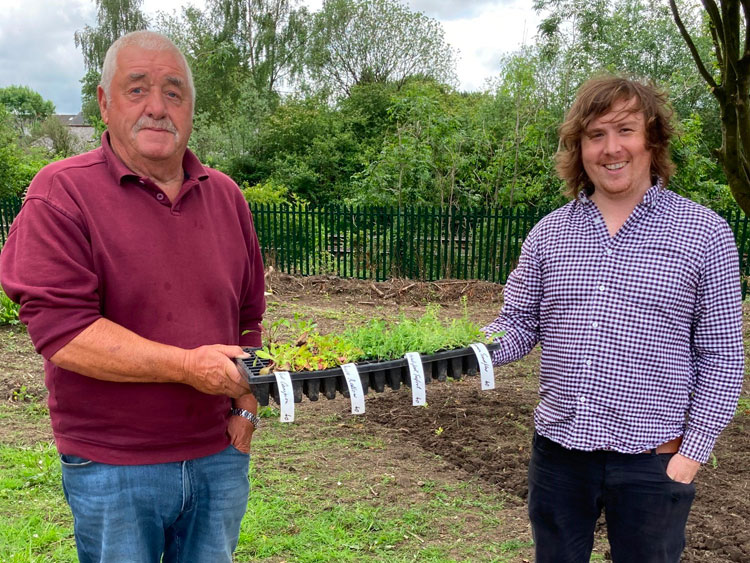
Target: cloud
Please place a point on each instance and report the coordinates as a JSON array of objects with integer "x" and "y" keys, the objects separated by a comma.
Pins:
[
  {"x": 447, "y": 10},
  {"x": 37, "y": 48},
  {"x": 483, "y": 40}
]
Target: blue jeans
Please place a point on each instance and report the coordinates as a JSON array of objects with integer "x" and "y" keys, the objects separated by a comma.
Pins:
[
  {"x": 646, "y": 511},
  {"x": 186, "y": 511}
]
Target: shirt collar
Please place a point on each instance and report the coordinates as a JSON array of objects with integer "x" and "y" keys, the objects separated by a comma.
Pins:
[
  {"x": 119, "y": 171},
  {"x": 649, "y": 198}
]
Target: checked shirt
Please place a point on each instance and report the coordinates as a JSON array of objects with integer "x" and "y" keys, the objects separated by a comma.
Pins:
[{"x": 641, "y": 333}]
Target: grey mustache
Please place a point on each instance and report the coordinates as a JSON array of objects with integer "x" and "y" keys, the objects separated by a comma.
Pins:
[{"x": 148, "y": 123}]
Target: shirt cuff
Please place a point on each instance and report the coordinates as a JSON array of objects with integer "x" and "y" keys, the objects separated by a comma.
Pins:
[{"x": 696, "y": 445}]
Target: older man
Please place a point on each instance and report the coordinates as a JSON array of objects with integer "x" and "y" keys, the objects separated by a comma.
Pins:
[
  {"x": 139, "y": 276},
  {"x": 634, "y": 293}
]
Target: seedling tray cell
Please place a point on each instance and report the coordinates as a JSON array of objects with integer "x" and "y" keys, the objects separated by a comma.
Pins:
[{"x": 374, "y": 375}]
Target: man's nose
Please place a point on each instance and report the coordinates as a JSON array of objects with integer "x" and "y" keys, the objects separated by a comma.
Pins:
[
  {"x": 156, "y": 108},
  {"x": 611, "y": 143}
]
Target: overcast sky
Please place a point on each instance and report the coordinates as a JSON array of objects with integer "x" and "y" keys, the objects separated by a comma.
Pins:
[{"x": 37, "y": 47}]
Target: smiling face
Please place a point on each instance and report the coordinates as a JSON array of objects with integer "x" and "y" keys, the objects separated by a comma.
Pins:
[
  {"x": 149, "y": 110},
  {"x": 614, "y": 153}
]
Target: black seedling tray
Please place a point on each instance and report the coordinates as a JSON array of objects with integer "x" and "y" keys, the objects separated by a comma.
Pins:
[{"x": 374, "y": 375}]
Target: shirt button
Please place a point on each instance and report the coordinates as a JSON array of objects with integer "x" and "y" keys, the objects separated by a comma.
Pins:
[
  {"x": 588, "y": 362},
  {"x": 160, "y": 196},
  {"x": 582, "y": 399},
  {"x": 601, "y": 288},
  {"x": 595, "y": 325},
  {"x": 609, "y": 252}
]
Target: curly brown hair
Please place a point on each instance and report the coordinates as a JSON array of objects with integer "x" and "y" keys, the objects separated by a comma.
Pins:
[{"x": 595, "y": 98}]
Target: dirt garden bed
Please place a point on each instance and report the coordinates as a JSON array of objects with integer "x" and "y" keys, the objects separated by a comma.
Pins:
[{"x": 483, "y": 434}]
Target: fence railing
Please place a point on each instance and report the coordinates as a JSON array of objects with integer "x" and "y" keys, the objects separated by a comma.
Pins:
[
  {"x": 422, "y": 243},
  {"x": 9, "y": 208},
  {"x": 378, "y": 243}
]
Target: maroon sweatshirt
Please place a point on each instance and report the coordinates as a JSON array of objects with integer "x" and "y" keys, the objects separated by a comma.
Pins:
[{"x": 94, "y": 240}]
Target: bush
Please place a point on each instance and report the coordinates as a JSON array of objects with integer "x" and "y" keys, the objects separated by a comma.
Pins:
[{"x": 8, "y": 310}]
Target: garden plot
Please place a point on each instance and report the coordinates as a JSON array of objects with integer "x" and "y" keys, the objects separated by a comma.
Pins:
[{"x": 406, "y": 456}]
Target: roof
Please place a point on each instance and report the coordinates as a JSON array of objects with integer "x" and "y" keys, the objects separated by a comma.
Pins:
[{"x": 71, "y": 120}]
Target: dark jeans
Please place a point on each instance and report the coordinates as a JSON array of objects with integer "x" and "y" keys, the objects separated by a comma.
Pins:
[{"x": 646, "y": 511}]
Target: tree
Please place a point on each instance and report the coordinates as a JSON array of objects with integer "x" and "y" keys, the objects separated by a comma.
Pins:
[
  {"x": 26, "y": 106},
  {"x": 270, "y": 34},
  {"x": 362, "y": 41},
  {"x": 114, "y": 19},
  {"x": 18, "y": 165},
  {"x": 729, "y": 82}
]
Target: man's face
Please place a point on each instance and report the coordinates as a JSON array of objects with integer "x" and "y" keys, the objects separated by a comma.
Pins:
[
  {"x": 614, "y": 153},
  {"x": 149, "y": 114}
]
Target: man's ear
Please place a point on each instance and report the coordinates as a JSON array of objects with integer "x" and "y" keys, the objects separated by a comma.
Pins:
[{"x": 102, "y": 99}]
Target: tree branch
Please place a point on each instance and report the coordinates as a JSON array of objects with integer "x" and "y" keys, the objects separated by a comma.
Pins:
[
  {"x": 714, "y": 14},
  {"x": 691, "y": 45}
]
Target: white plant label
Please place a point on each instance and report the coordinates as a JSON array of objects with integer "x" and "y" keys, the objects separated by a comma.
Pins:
[
  {"x": 416, "y": 371},
  {"x": 286, "y": 395},
  {"x": 484, "y": 360},
  {"x": 356, "y": 393}
]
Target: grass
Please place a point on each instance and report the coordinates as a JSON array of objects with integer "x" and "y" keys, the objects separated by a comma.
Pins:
[
  {"x": 36, "y": 525},
  {"x": 306, "y": 505},
  {"x": 743, "y": 406}
]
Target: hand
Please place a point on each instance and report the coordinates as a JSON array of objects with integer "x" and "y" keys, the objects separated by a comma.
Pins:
[
  {"x": 210, "y": 369},
  {"x": 682, "y": 469},
  {"x": 240, "y": 432}
]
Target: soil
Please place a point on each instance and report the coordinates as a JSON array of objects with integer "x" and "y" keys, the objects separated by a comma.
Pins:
[
  {"x": 473, "y": 434},
  {"x": 488, "y": 434}
]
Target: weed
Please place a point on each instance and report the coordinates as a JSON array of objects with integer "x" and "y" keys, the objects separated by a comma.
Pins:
[
  {"x": 268, "y": 412},
  {"x": 8, "y": 310},
  {"x": 743, "y": 406},
  {"x": 21, "y": 395}
]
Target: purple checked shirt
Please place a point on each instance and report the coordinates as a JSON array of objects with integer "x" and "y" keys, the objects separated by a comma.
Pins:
[{"x": 641, "y": 333}]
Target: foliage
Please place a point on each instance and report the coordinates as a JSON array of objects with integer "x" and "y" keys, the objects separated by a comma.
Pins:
[
  {"x": 114, "y": 18},
  {"x": 26, "y": 105},
  {"x": 376, "y": 41},
  {"x": 265, "y": 192},
  {"x": 728, "y": 78},
  {"x": 63, "y": 142},
  {"x": 381, "y": 340},
  {"x": 353, "y": 104},
  {"x": 8, "y": 310},
  {"x": 296, "y": 345},
  {"x": 270, "y": 36},
  {"x": 18, "y": 162}
]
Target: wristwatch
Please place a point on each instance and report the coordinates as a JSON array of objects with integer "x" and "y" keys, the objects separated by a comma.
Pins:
[{"x": 248, "y": 415}]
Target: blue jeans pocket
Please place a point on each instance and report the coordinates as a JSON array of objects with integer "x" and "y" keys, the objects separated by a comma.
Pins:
[{"x": 73, "y": 461}]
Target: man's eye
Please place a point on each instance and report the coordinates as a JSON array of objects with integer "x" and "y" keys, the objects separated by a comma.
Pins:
[{"x": 137, "y": 90}]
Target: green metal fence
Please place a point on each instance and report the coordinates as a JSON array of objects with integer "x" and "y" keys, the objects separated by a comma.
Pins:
[
  {"x": 422, "y": 243},
  {"x": 9, "y": 208},
  {"x": 378, "y": 243},
  {"x": 419, "y": 243}
]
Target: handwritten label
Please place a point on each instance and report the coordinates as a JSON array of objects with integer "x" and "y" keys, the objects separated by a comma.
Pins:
[
  {"x": 416, "y": 371},
  {"x": 484, "y": 360},
  {"x": 356, "y": 393},
  {"x": 286, "y": 395}
]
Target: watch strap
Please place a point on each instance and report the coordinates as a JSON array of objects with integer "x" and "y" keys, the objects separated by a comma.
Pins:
[{"x": 247, "y": 415}]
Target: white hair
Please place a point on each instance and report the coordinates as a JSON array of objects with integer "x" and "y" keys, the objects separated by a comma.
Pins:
[{"x": 149, "y": 40}]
